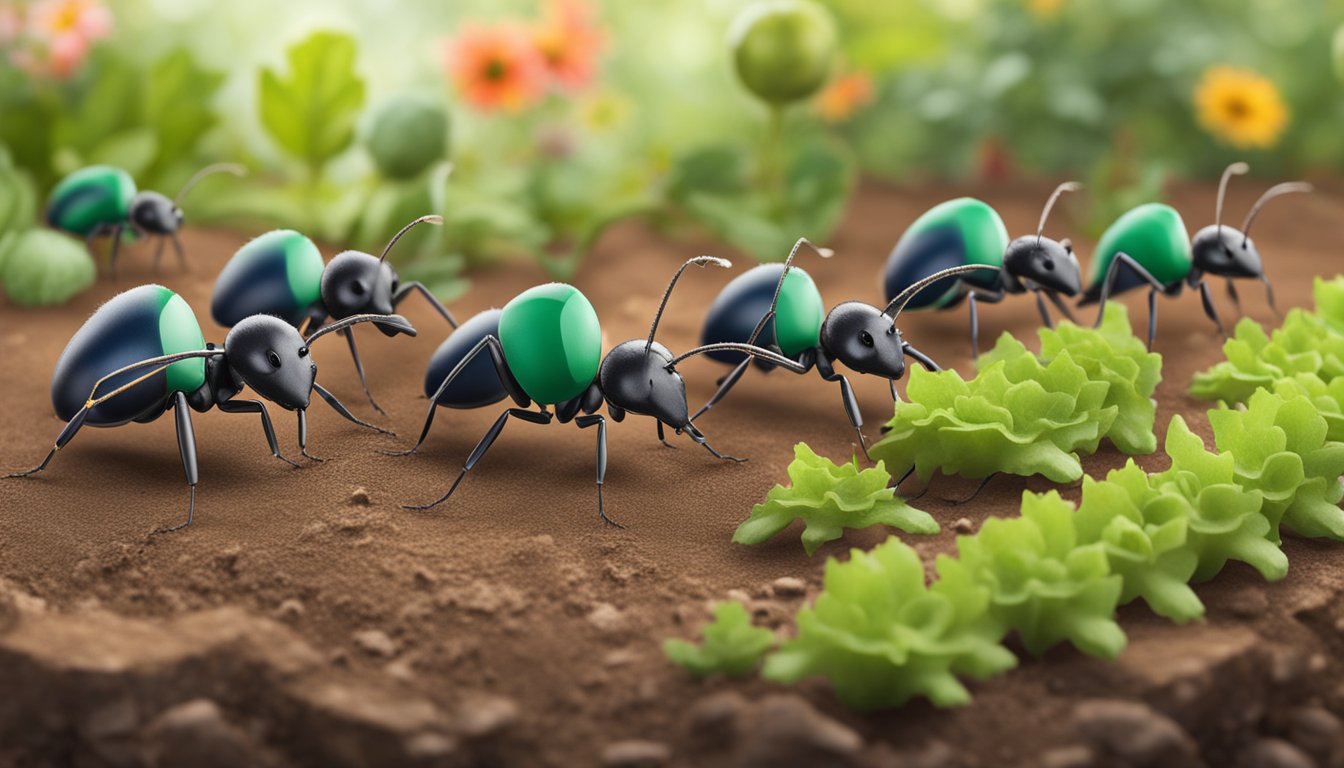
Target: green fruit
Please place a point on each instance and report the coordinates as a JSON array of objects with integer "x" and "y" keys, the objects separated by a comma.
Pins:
[
  {"x": 783, "y": 49},
  {"x": 46, "y": 267},
  {"x": 407, "y": 136}
]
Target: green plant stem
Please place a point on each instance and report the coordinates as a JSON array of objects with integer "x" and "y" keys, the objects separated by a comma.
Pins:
[{"x": 772, "y": 163}]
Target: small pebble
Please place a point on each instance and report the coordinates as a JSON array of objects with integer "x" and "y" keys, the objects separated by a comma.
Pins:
[
  {"x": 788, "y": 586},
  {"x": 636, "y": 753},
  {"x": 963, "y": 525},
  {"x": 375, "y": 642},
  {"x": 359, "y": 497}
]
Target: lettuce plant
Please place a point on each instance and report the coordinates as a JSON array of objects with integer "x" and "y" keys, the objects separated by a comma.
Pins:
[
  {"x": 1019, "y": 416},
  {"x": 1306, "y": 343},
  {"x": 1042, "y": 582},
  {"x": 731, "y": 647},
  {"x": 1328, "y": 399},
  {"x": 830, "y": 498},
  {"x": 882, "y": 637},
  {"x": 1280, "y": 448},
  {"x": 1225, "y": 522},
  {"x": 1144, "y": 531},
  {"x": 1113, "y": 354}
]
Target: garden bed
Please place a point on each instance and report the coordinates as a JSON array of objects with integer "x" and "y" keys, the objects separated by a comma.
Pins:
[{"x": 511, "y": 627}]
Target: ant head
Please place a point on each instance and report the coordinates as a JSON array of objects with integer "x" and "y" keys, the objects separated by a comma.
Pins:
[
  {"x": 356, "y": 283},
  {"x": 865, "y": 339},
  {"x": 1226, "y": 252},
  {"x": 639, "y": 377},
  {"x": 155, "y": 214},
  {"x": 1048, "y": 263},
  {"x": 270, "y": 356}
]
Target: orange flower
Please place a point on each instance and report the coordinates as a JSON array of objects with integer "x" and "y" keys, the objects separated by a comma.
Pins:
[
  {"x": 496, "y": 67},
  {"x": 1240, "y": 107},
  {"x": 844, "y": 96},
  {"x": 569, "y": 42}
]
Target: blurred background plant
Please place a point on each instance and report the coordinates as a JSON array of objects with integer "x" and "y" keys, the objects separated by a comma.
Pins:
[{"x": 532, "y": 125}]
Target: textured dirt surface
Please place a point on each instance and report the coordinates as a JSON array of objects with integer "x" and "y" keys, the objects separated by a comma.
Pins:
[{"x": 306, "y": 620}]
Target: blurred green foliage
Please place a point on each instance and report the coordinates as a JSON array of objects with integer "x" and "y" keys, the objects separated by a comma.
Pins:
[{"x": 314, "y": 97}]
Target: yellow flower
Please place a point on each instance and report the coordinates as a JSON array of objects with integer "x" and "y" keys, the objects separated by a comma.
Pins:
[{"x": 1240, "y": 107}]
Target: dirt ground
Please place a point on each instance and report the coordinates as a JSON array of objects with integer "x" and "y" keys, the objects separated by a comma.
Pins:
[{"x": 306, "y": 620}]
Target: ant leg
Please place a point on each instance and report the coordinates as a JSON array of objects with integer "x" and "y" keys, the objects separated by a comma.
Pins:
[
  {"x": 1154, "y": 285},
  {"x": 725, "y": 385},
  {"x": 71, "y": 427},
  {"x": 158, "y": 254},
  {"x": 1152, "y": 317},
  {"x": 585, "y": 422},
  {"x": 181, "y": 254},
  {"x": 978, "y": 489},
  {"x": 339, "y": 407},
  {"x": 1061, "y": 306},
  {"x": 1235, "y": 298},
  {"x": 851, "y": 403},
  {"x": 1269, "y": 296},
  {"x": 359, "y": 368},
  {"x": 256, "y": 406},
  {"x": 1045, "y": 313},
  {"x": 186, "y": 445},
  {"x": 112, "y": 255},
  {"x": 1206, "y": 298},
  {"x": 303, "y": 436},
  {"x": 905, "y": 476},
  {"x": 484, "y": 445},
  {"x": 405, "y": 290},
  {"x": 919, "y": 357},
  {"x": 699, "y": 437},
  {"x": 975, "y": 327},
  {"x": 661, "y": 438}
]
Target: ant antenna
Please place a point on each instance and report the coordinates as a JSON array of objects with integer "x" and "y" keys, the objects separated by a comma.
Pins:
[
  {"x": 1233, "y": 169},
  {"x": 905, "y": 296},
  {"x": 430, "y": 219},
  {"x": 699, "y": 261},
  {"x": 1285, "y": 188},
  {"x": 732, "y": 346},
  {"x": 1068, "y": 186},
  {"x": 233, "y": 168},
  {"x": 395, "y": 321}
]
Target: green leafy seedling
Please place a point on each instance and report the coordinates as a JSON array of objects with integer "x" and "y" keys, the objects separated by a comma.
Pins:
[
  {"x": 311, "y": 112},
  {"x": 830, "y": 498},
  {"x": 1225, "y": 522},
  {"x": 1144, "y": 532},
  {"x": 882, "y": 637},
  {"x": 42, "y": 266},
  {"x": 731, "y": 647},
  {"x": 1042, "y": 582},
  {"x": 1280, "y": 449},
  {"x": 1018, "y": 416}
]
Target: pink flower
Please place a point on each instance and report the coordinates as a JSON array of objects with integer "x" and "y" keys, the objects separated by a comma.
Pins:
[
  {"x": 11, "y": 23},
  {"x": 570, "y": 42},
  {"x": 55, "y": 36},
  {"x": 496, "y": 67}
]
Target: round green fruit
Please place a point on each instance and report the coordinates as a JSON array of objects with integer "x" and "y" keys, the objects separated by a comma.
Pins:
[
  {"x": 406, "y": 136},
  {"x": 783, "y": 49}
]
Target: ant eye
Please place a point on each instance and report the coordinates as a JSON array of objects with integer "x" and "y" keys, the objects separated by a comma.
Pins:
[
  {"x": 1049, "y": 265},
  {"x": 303, "y": 351},
  {"x": 866, "y": 338},
  {"x": 357, "y": 288},
  {"x": 273, "y": 359}
]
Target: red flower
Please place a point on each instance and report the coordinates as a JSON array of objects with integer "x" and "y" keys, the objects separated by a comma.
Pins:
[
  {"x": 496, "y": 67},
  {"x": 569, "y": 42}
]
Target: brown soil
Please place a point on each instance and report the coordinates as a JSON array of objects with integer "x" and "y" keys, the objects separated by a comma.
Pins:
[{"x": 306, "y": 620}]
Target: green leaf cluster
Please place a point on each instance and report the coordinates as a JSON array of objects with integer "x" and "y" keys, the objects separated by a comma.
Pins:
[
  {"x": 1113, "y": 354},
  {"x": 1018, "y": 415},
  {"x": 1306, "y": 343},
  {"x": 731, "y": 645},
  {"x": 1224, "y": 519},
  {"x": 1043, "y": 583},
  {"x": 829, "y": 498},
  {"x": 1145, "y": 532},
  {"x": 311, "y": 110},
  {"x": 1281, "y": 449},
  {"x": 882, "y": 636}
]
